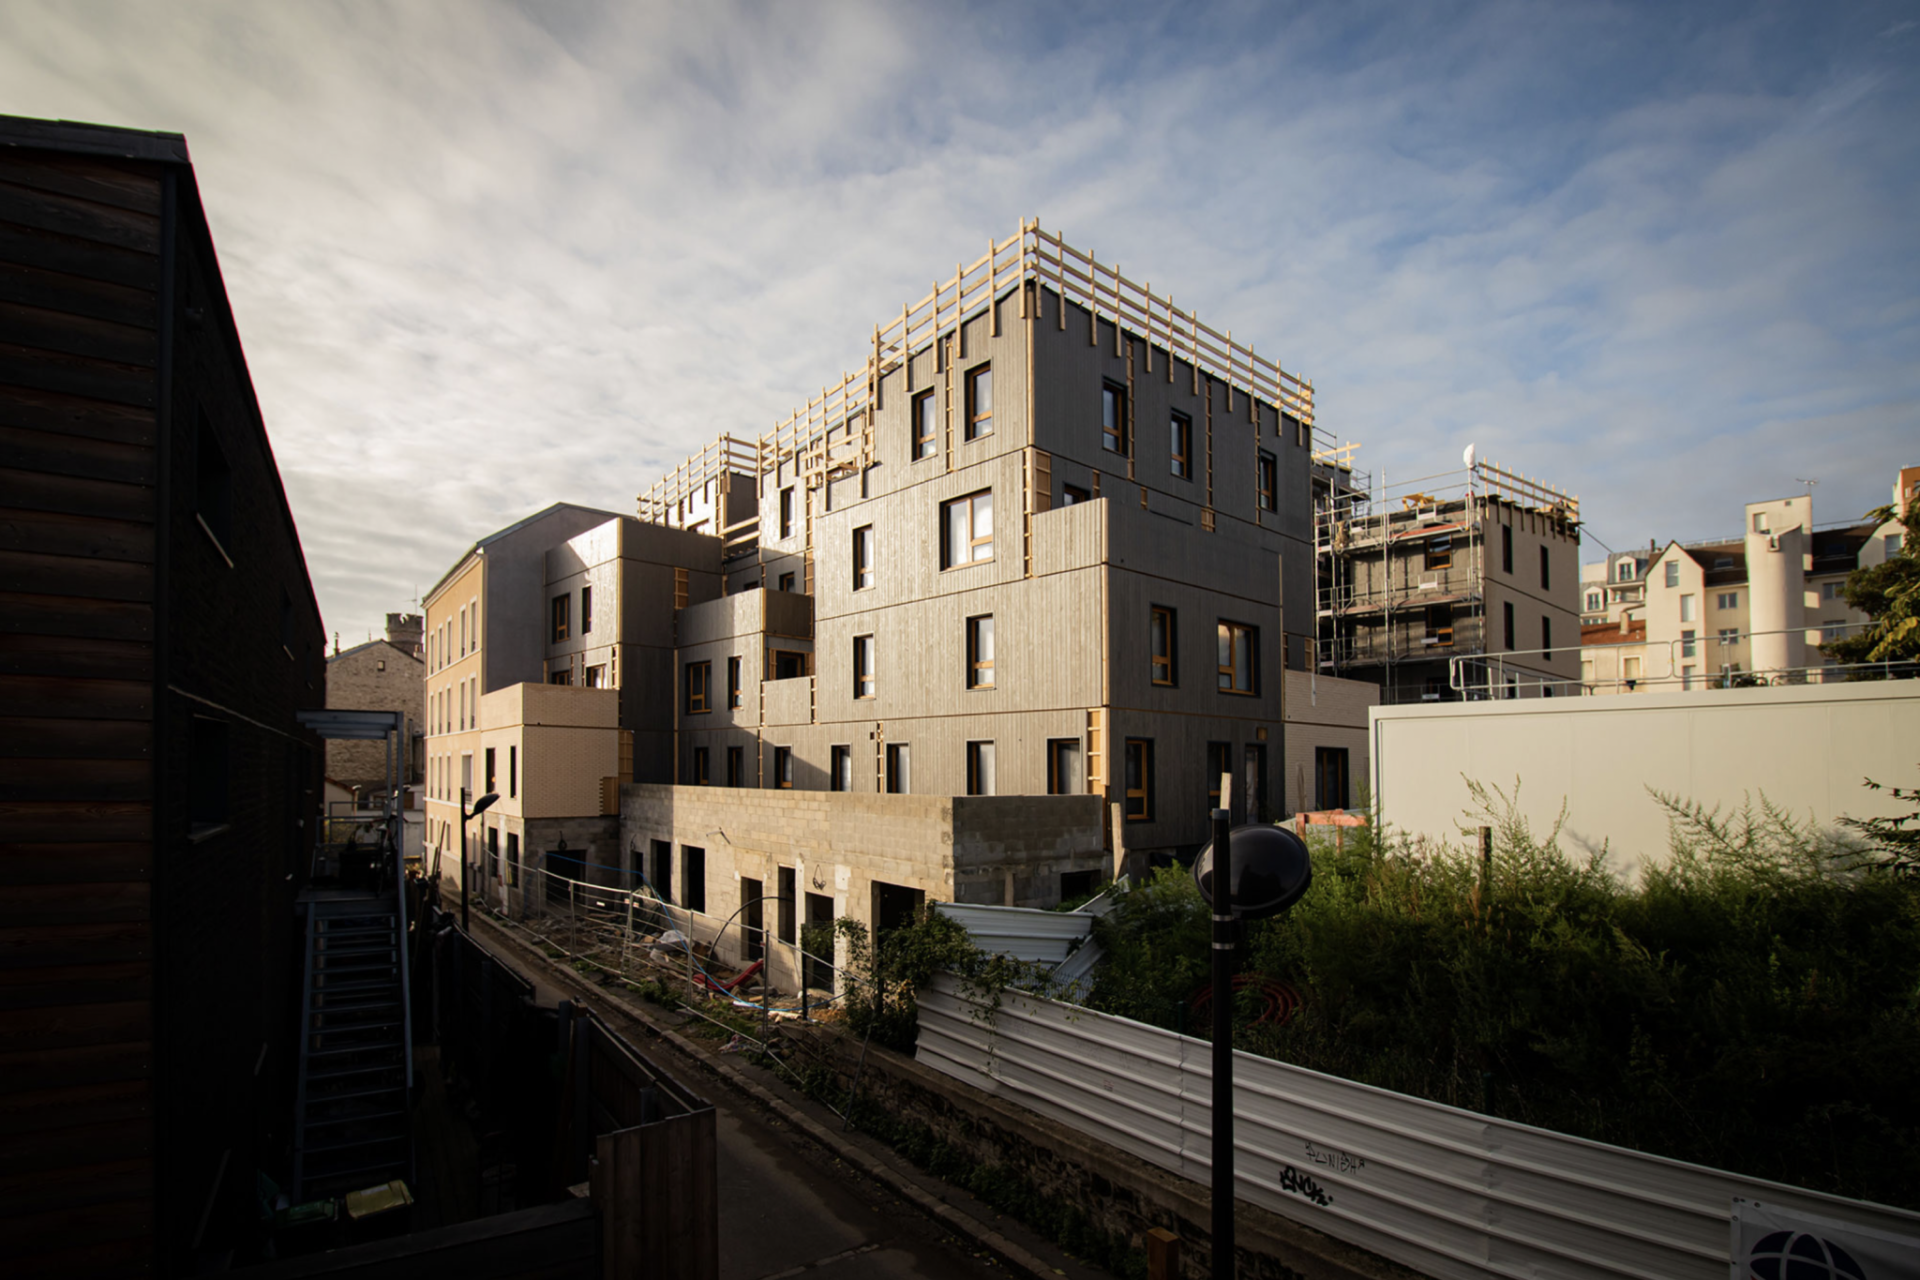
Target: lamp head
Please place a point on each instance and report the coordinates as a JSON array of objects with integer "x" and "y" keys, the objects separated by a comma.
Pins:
[
  {"x": 484, "y": 803},
  {"x": 1271, "y": 870}
]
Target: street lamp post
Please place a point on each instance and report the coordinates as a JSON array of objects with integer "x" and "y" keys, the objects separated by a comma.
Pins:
[
  {"x": 1268, "y": 868},
  {"x": 480, "y": 806}
]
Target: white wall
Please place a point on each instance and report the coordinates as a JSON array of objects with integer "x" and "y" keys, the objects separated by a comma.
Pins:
[{"x": 1805, "y": 748}]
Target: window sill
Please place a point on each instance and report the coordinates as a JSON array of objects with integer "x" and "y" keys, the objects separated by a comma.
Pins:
[{"x": 971, "y": 564}]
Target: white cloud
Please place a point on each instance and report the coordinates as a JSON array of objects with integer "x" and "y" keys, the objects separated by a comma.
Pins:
[{"x": 485, "y": 258}]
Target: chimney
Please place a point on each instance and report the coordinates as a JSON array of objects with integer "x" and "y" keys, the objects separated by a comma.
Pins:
[{"x": 406, "y": 631}]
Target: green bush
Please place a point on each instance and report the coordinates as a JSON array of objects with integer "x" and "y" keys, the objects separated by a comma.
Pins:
[{"x": 1753, "y": 1005}]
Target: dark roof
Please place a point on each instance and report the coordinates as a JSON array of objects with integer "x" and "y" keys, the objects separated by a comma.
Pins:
[{"x": 93, "y": 139}]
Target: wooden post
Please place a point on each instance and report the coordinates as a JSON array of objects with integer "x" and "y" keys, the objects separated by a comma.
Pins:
[
  {"x": 1163, "y": 1255},
  {"x": 1486, "y": 869}
]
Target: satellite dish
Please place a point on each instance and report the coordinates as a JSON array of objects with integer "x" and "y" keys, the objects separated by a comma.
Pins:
[
  {"x": 1466, "y": 459},
  {"x": 1271, "y": 869}
]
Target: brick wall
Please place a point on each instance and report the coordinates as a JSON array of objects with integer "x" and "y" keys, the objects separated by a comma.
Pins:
[{"x": 377, "y": 676}]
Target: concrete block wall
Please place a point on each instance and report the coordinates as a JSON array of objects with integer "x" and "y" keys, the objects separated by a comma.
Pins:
[{"x": 373, "y": 677}]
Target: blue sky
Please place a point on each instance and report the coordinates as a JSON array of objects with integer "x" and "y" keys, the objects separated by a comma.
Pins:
[{"x": 485, "y": 257}]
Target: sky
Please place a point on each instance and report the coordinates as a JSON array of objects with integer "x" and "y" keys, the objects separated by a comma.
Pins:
[{"x": 485, "y": 257}]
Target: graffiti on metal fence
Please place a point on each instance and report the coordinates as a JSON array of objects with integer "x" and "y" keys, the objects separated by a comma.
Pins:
[{"x": 1303, "y": 1185}]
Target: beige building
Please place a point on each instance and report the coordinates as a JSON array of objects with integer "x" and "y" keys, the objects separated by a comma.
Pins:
[
  {"x": 1327, "y": 757},
  {"x": 1732, "y": 611},
  {"x": 381, "y": 675}
]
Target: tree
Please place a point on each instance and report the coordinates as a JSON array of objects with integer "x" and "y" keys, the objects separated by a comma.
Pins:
[{"x": 1888, "y": 593}]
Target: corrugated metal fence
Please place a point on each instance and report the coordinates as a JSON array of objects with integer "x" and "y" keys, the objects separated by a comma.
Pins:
[{"x": 1448, "y": 1192}]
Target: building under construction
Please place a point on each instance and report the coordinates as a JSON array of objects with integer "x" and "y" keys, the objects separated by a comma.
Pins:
[{"x": 1454, "y": 586}]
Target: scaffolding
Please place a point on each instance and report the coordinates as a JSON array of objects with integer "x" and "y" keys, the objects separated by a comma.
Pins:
[
  {"x": 831, "y": 435},
  {"x": 1369, "y": 536}
]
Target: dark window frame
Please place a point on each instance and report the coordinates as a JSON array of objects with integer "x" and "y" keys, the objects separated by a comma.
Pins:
[
  {"x": 980, "y": 670},
  {"x": 1056, "y": 784},
  {"x": 979, "y": 424},
  {"x": 925, "y": 413},
  {"x": 1267, "y": 481},
  {"x": 840, "y": 767},
  {"x": 586, "y": 609},
  {"x": 865, "y": 676},
  {"x": 1241, "y": 638},
  {"x": 1170, "y": 660},
  {"x": 562, "y": 616},
  {"x": 1180, "y": 444},
  {"x": 863, "y": 569},
  {"x": 979, "y": 750},
  {"x": 1113, "y": 419},
  {"x": 699, "y": 700},
  {"x": 1137, "y": 764}
]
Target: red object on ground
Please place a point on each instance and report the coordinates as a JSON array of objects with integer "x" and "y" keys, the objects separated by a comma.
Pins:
[{"x": 728, "y": 987}]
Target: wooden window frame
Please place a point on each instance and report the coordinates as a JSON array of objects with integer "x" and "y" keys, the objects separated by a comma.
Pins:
[
  {"x": 1113, "y": 418},
  {"x": 979, "y": 424},
  {"x": 865, "y": 683},
  {"x": 783, "y": 768},
  {"x": 1055, "y": 784},
  {"x": 1164, "y": 669},
  {"x": 562, "y": 617},
  {"x": 733, "y": 684},
  {"x": 980, "y": 670},
  {"x": 786, "y": 513},
  {"x": 925, "y": 412},
  {"x": 699, "y": 687},
  {"x": 975, "y": 542},
  {"x": 1180, "y": 444},
  {"x": 863, "y": 571},
  {"x": 1139, "y": 799},
  {"x": 1441, "y": 631},
  {"x": 1267, "y": 481},
  {"x": 1240, "y": 638},
  {"x": 701, "y": 759},
  {"x": 1437, "y": 555}
]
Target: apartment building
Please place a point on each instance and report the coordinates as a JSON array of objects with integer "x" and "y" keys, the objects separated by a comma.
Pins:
[
  {"x": 388, "y": 674},
  {"x": 1731, "y": 611},
  {"x": 1465, "y": 587}
]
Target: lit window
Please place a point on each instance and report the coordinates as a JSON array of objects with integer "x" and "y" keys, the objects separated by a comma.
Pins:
[
  {"x": 1180, "y": 445},
  {"x": 968, "y": 529},
  {"x": 1139, "y": 770},
  {"x": 980, "y": 652},
  {"x": 698, "y": 675},
  {"x": 1269, "y": 481},
  {"x": 1113, "y": 418},
  {"x": 863, "y": 666},
  {"x": 1163, "y": 638},
  {"x": 926, "y": 424},
  {"x": 980, "y": 769},
  {"x": 863, "y": 557},
  {"x": 1239, "y": 659},
  {"x": 979, "y": 402}
]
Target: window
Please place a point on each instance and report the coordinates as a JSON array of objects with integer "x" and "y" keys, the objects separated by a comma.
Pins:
[
  {"x": 212, "y": 486},
  {"x": 785, "y": 582},
  {"x": 586, "y": 610},
  {"x": 1180, "y": 445},
  {"x": 1544, "y": 581},
  {"x": 1686, "y": 608},
  {"x": 789, "y": 664},
  {"x": 1255, "y": 776},
  {"x": 980, "y": 769},
  {"x": 1139, "y": 775},
  {"x": 783, "y": 768},
  {"x": 1630, "y": 668},
  {"x": 899, "y": 769},
  {"x": 1627, "y": 572},
  {"x": 1890, "y": 545},
  {"x": 597, "y": 676},
  {"x": 840, "y": 776},
  {"x": 736, "y": 767},
  {"x": 784, "y": 916},
  {"x": 1239, "y": 658},
  {"x": 1440, "y": 625},
  {"x": 1113, "y": 418},
  {"x": 466, "y": 774},
  {"x": 1731, "y": 599},
  {"x": 786, "y": 512},
  {"x": 1219, "y": 764},
  {"x": 693, "y": 874},
  {"x": 1673, "y": 573},
  {"x": 699, "y": 774},
  {"x": 1546, "y": 633},
  {"x": 1832, "y": 629},
  {"x": 863, "y": 557},
  {"x": 1506, "y": 548},
  {"x": 980, "y": 652},
  {"x": 733, "y": 684},
  {"x": 753, "y": 940},
  {"x": 1593, "y": 601},
  {"x": 1686, "y": 644},
  {"x": 863, "y": 666},
  {"x": 513, "y": 771},
  {"x": 1729, "y": 636},
  {"x": 698, "y": 675},
  {"x": 1072, "y": 493},
  {"x": 1506, "y": 617},
  {"x": 1686, "y": 677},
  {"x": 513, "y": 860},
  {"x": 979, "y": 401},
  {"x": 1269, "y": 482},
  {"x": 1586, "y": 670},
  {"x": 926, "y": 424},
  {"x": 1329, "y": 778},
  {"x": 1162, "y": 643},
  {"x": 662, "y": 870},
  {"x": 967, "y": 525},
  {"x": 1063, "y": 766},
  {"x": 561, "y": 608},
  {"x": 488, "y": 772},
  {"x": 1439, "y": 553},
  {"x": 1760, "y": 522}
]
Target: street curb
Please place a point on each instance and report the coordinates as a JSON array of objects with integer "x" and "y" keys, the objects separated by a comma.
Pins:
[{"x": 733, "y": 1078}]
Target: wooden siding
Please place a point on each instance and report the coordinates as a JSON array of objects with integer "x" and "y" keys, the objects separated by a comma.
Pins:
[{"x": 79, "y": 345}]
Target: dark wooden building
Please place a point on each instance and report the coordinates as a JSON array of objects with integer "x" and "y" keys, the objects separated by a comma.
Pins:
[{"x": 158, "y": 635}]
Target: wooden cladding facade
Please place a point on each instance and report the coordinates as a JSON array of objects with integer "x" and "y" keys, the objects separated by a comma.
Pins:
[{"x": 149, "y": 674}]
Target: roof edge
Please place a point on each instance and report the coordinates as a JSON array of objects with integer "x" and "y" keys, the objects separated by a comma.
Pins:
[{"x": 79, "y": 137}]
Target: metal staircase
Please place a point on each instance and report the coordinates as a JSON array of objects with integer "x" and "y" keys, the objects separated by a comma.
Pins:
[{"x": 351, "y": 1124}]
